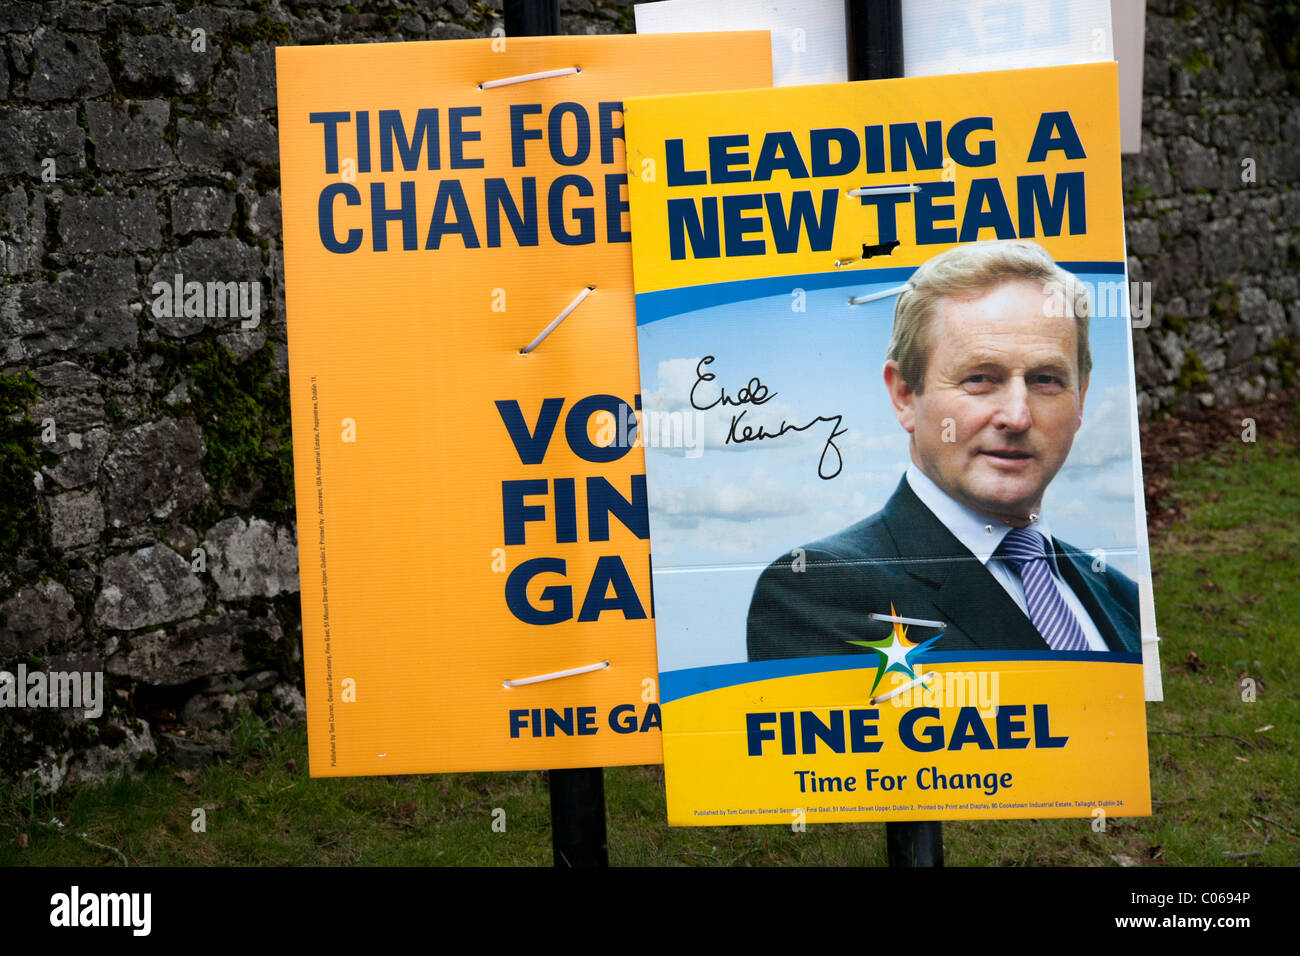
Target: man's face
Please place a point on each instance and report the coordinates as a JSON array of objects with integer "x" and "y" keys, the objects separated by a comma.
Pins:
[{"x": 1002, "y": 398}]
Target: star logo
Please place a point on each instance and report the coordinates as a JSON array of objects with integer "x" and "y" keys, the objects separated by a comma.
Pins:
[{"x": 895, "y": 652}]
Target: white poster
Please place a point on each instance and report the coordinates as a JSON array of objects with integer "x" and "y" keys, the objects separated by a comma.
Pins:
[
  {"x": 939, "y": 36},
  {"x": 807, "y": 35}
]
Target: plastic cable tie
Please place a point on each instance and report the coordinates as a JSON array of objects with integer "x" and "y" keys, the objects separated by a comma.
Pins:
[
  {"x": 882, "y": 294},
  {"x": 883, "y": 190},
  {"x": 898, "y": 690},
  {"x": 558, "y": 319},
  {"x": 571, "y": 672},
  {"x": 918, "y": 621},
  {"x": 529, "y": 77}
]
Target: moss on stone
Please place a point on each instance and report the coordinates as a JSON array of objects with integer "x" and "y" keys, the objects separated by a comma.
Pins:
[
  {"x": 261, "y": 651},
  {"x": 266, "y": 179},
  {"x": 205, "y": 515},
  {"x": 1281, "y": 37},
  {"x": 23, "y": 739},
  {"x": 264, "y": 30},
  {"x": 113, "y": 413},
  {"x": 173, "y": 361},
  {"x": 1225, "y": 307},
  {"x": 243, "y": 409},
  {"x": 1287, "y": 354},
  {"x": 1192, "y": 375},
  {"x": 264, "y": 652},
  {"x": 1139, "y": 193},
  {"x": 1196, "y": 61},
  {"x": 19, "y": 461}
]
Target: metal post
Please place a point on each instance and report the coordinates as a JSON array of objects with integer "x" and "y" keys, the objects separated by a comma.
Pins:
[
  {"x": 914, "y": 844},
  {"x": 578, "y": 817},
  {"x": 577, "y": 795},
  {"x": 532, "y": 18},
  {"x": 875, "y": 40}
]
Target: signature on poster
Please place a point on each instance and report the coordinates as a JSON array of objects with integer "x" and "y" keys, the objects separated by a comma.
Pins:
[{"x": 754, "y": 392}]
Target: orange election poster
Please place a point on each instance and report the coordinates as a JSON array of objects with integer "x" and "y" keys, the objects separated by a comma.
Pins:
[{"x": 473, "y": 516}]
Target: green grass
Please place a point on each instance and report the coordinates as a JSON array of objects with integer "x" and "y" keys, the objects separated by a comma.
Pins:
[
  {"x": 1228, "y": 592},
  {"x": 1227, "y": 599},
  {"x": 262, "y": 809}
]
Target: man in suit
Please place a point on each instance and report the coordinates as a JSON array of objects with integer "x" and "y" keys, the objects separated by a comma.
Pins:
[{"x": 987, "y": 372}]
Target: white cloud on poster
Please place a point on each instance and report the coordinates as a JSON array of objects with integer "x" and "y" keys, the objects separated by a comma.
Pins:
[
  {"x": 1107, "y": 432},
  {"x": 732, "y": 499}
]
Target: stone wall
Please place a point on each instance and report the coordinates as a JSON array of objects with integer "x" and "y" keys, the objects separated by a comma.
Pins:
[
  {"x": 138, "y": 142},
  {"x": 1212, "y": 204}
]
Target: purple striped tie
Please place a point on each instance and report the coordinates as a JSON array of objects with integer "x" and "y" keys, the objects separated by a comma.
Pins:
[{"x": 1026, "y": 552}]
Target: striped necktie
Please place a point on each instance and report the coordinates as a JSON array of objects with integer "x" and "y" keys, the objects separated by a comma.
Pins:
[{"x": 1026, "y": 552}]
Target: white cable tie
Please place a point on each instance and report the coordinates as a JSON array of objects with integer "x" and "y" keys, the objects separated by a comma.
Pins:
[
  {"x": 883, "y": 190},
  {"x": 883, "y": 294},
  {"x": 558, "y": 319},
  {"x": 528, "y": 77},
  {"x": 571, "y": 672},
  {"x": 898, "y": 690},
  {"x": 918, "y": 621},
  {"x": 844, "y": 262}
]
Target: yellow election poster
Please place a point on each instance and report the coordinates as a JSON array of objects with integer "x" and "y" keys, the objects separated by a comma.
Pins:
[
  {"x": 890, "y": 429},
  {"x": 471, "y": 518}
]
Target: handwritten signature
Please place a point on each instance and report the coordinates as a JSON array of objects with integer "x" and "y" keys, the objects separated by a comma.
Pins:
[{"x": 754, "y": 392}]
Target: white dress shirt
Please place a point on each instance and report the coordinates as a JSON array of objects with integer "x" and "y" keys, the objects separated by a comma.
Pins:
[{"x": 981, "y": 535}]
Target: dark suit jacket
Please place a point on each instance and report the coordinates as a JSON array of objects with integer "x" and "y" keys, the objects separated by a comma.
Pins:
[{"x": 904, "y": 556}]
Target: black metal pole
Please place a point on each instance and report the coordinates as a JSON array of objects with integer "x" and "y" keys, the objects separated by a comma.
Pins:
[
  {"x": 577, "y": 794},
  {"x": 578, "y": 817},
  {"x": 875, "y": 39},
  {"x": 532, "y": 18},
  {"x": 914, "y": 844}
]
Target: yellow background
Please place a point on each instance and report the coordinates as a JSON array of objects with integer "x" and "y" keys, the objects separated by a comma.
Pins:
[
  {"x": 1015, "y": 99},
  {"x": 406, "y": 344},
  {"x": 1098, "y": 706}
]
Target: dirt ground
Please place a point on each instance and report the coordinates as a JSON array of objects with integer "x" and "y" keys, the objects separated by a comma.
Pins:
[{"x": 1190, "y": 435}]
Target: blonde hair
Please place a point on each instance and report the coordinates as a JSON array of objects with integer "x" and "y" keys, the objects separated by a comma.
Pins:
[{"x": 973, "y": 269}]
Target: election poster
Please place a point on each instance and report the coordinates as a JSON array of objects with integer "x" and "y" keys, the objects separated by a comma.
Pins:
[
  {"x": 807, "y": 35},
  {"x": 889, "y": 416},
  {"x": 472, "y": 525},
  {"x": 939, "y": 36}
]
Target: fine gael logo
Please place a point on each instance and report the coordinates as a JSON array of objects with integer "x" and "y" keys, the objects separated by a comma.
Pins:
[{"x": 895, "y": 653}]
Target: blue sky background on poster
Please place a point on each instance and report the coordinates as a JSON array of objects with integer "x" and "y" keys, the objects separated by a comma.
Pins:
[{"x": 736, "y": 507}]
